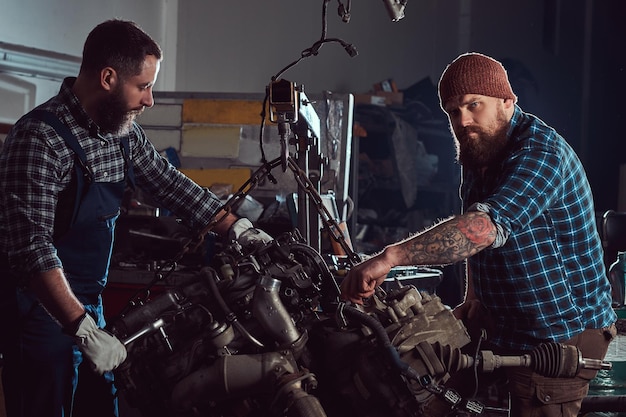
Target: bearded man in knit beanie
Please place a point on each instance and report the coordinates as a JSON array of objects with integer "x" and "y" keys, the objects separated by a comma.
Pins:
[{"x": 527, "y": 233}]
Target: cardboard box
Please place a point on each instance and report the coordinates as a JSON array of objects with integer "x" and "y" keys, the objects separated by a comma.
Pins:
[
  {"x": 380, "y": 98},
  {"x": 386, "y": 85}
]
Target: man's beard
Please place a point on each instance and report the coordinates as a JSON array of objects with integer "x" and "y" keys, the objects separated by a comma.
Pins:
[
  {"x": 483, "y": 148},
  {"x": 113, "y": 115}
]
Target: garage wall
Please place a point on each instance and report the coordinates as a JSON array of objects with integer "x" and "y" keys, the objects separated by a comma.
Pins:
[
  {"x": 212, "y": 46},
  {"x": 570, "y": 71},
  {"x": 61, "y": 26},
  {"x": 241, "y": 48}
]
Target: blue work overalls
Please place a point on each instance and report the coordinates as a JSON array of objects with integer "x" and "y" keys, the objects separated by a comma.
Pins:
[{"x": 41, "y": 371}]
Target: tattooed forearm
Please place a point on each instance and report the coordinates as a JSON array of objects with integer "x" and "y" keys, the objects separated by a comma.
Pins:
[
  {"x": 478, "y": 228},
  {"x": 451, "y": 241}
]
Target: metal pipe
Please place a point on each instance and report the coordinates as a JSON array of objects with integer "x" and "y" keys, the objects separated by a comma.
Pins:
[
  {"x": 24, "y": 60},
  {"x": 603, "y": 403}
]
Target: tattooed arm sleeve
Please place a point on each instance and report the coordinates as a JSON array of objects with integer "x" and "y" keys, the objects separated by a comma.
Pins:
[{"x": 450, "y": 241}]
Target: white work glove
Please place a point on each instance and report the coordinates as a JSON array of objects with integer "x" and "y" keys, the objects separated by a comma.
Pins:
[
  {"x": 101, "y": 348},
  {"x": 245, "y": 233}
]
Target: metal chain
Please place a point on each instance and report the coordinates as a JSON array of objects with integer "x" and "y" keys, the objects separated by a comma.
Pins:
[{"x": 329, "y": 223}]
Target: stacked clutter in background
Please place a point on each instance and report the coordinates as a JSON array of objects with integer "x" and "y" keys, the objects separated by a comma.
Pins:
[
  {"x": 384, "y": 93},
  {"x": 407, "y": 175}
]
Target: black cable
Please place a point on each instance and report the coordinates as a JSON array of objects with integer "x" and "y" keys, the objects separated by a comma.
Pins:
[
  {"x": 382, "y": 336},
  {"x": 344, "y": 11},
  {"x": 313, "y": 50},
  {"x": 483, "y": 337}
]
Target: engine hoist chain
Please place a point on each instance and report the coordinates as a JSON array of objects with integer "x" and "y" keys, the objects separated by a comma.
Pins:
[{"x": 328, "y": 222}]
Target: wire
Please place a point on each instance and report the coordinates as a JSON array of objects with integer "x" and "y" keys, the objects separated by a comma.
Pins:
[
  {"x": 313, "y": 50},
  {"x": 483, "y": 337},
  {"x": 344, "y": 11}
]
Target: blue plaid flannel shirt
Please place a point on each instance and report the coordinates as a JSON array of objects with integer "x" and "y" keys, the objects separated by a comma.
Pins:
[{"x": 544, "y": 278}]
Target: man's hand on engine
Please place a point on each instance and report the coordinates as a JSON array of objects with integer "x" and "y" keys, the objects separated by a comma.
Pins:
[
  {"x": 245, "y": 233},
  {"x": 363, "y": 279},
  {"x": 102, "y": 349}
]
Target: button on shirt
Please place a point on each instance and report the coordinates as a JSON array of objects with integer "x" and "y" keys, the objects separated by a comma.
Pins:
[
  {"x": 35, "y": 165},
  {"x": 543, "y": 279}
]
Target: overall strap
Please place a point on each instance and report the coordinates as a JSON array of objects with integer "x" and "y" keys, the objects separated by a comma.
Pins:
[
  {"x": 51, "y": 119},
  {"x": 128, "y": 166},
  {"x": 69, "y": 201}
]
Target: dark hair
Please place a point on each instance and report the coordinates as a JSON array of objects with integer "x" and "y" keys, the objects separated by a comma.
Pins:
[{"x": 119, "y": 44}]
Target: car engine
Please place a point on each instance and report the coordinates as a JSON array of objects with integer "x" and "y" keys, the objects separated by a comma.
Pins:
[{"x": 262, "y": 332}]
